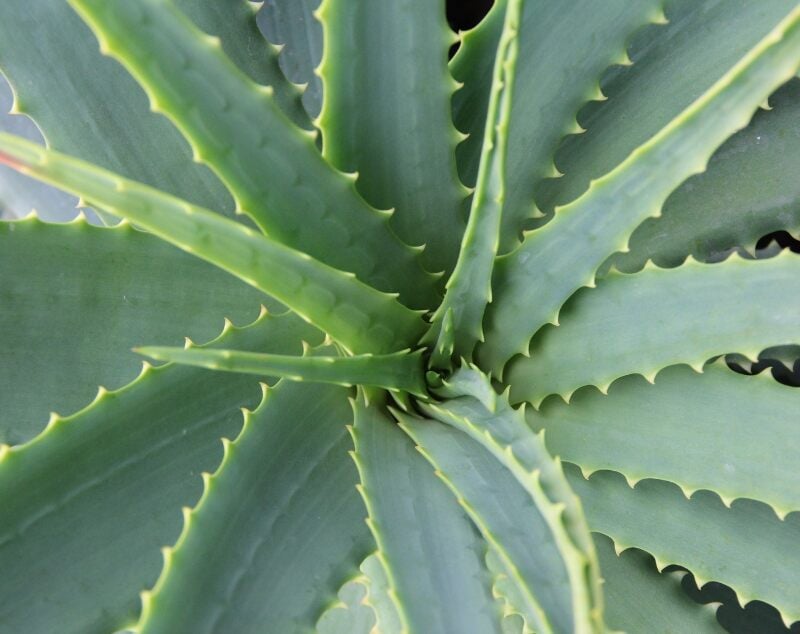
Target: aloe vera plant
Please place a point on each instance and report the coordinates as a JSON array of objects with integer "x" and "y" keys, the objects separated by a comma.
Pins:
[{"x": 492, "y": 305}]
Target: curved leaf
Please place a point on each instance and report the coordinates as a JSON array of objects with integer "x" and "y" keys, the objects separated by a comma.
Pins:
[
  {"x": 386, "y": 115},
  {"x": 643, "y": 322},
  {"x": 73, "y": 109},
  {"x": 234, "y": 23},
  {"x": 469, "y": 287},
  {"x": 560, "y": 582},
  {"x": 353, "y": 313},
  {"x": 75, "y": 298},
  {"x": 674, "y": 63},
  {"x": 429, "y": 549},
  {"x": 281, "y": 515},
  {"x": 293, "y": 26},
  {"x": 89, "y": 502},
  {"x": 272, "y": 168},
  {"x": 533, "y": 282},
  {"x": 745, "y": 546},
  {"x": 401, "y": 371},
  {"x": 745, "y": 194},
  {"x": 640, "y": 599},
  {"x": 718, "y": 430}
]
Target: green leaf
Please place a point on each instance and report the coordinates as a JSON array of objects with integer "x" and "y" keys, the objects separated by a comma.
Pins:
[
  {"x": 719, "y": 430},
  {"x": 350, "y": 614},
  {"x": 640, "y": 599},
  {"x": 745, "y": 546},
  {"x": 745, "y": 194},
  {"x": 505, "y": 478},
  {"x": 430, "y": 551},
  {"x": 473, "y": 67},
  {"x": 673, "y": 65},
  {"x": 564, "y": 49},
  {"x": 45, "y": 50},
  {"x": 469, "y": 287},
  {"x": 20, "y": 195},
  {"x": 386, "y": 614},
  {"x": 272, "y": 168},
  {"x": 282, "y": 515},
  {"x": 517, "y": 521},
  {"x": 400, "y": 140},
  {"x": 75, "y": 298},
  {"x": 234, "y": 23},
  {"x": 89, "y": 502},
  {"x": 643, "y": 322},
  {"x": 533, "y": 282},
  {"x": 401, "y": 371},
  {"x": 293, "y": 25},
  {"x": 353, "y": 313}
]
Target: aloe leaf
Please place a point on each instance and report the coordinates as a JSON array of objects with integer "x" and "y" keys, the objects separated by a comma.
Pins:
[
  {"x": 562, "y": 589},
  {"x": 640, "y": 599},
  {"x": 123, "y": 135},
  {"x": 469, "y": 287},
  {"x": 674, "y": 63},
  {"x": 272, "y": 168},
  {"x": 89, "y": 502},
  {"x": 354, "y": 314},
  {"x": 283, "y": 514},
  {"x": 473, "y": 67},
  {"x": 517, "y": 521},
  {"x": 718, "y": 430},
  {"x": 745, "y": 193},
  {"x": 657, "y": 313},
  {"x": 20, "y": 195},
  {"x": 386, "y": 615},
  {"x": 293, "y": 25},
  {"x": 430, "y": 551},
  {"x": 139, "y": 289},
  {"x": 401, "y": 371},
  {"x": 349, "y": 614},
  {"x": 533, "y": 282},
  {"x": 234, "y": 23},
  {"x": 563, "y": 49},
  {"x": 745, "y": 546},
  {"x": 401, "y": 141}
]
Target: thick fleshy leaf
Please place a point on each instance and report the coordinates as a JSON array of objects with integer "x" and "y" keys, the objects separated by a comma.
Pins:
[
  {"x": 18, "y": 195},
  {"x": 350, "y": 614},
  {"x": 292, "y": 25},
  {"x": 643, "y": 322},
  {"x": 88, "y": 503},
  {"x": 75, "y": 298},
  {"x": 386, "y": 115},
  {"x": 745, "y": 193},
  {"x": 640, "y": 599},
  {"x": 234, "y": 23},
  {"x": 386, "y": 615},
  {"x": 495, "y": 454},
  {"x": 354, "y": 314},
  {"x": 428, "y": 547},
  {"x": 730, "y": 433},
  {"x": 518, "y": 522},
  {"x": 45, "y": 50},
  {"x": 673, "y": 65},
  {"x": 280, "y": 526},
  {"x": 272, "y": 168},
  {"x": 469, "y": 287},
  {"x": 745, "y": 546},
  {"x": 401, "y": 371},
  {"x": 564, "y": 49},
  {"x": 533, "y": 282},
  {"x": 473, "y": 67}
]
